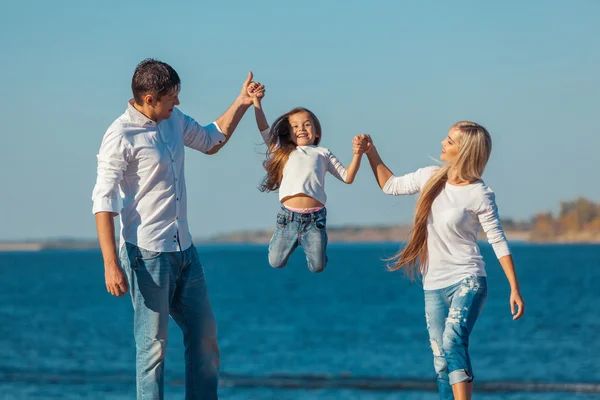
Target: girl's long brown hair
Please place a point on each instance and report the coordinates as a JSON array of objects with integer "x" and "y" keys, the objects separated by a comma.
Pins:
[
  {"x": 280, "y": 146},
  {"x": 468, "y": 165}
]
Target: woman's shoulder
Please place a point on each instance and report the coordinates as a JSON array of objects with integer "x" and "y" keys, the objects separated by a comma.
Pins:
[
  {"x": 482, "y": 196},
  {"x": 428, "y": 171},
  {"x": 482, "y": 189},
  {"x": 423, "y": 174}
]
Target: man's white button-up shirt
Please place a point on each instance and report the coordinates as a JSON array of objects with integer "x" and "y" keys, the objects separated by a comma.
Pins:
[{"x": 143, "y": 162}]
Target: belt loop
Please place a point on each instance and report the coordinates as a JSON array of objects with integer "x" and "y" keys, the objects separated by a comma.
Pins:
[{"x": 288, "y": 215}]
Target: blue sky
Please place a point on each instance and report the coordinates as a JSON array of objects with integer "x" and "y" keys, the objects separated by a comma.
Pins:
[{"x": 402, "y": 71}]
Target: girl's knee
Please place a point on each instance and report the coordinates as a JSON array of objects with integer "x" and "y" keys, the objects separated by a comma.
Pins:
[
  {"x": 317, "y": 267},
  {"x": 277, "y": 262},
  {"x": 316, "y": 270}
]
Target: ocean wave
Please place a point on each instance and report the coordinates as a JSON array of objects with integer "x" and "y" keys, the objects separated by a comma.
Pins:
[{"x": 296, "y": 381}]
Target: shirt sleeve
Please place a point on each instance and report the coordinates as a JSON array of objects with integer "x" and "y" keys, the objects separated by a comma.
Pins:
[
  {"x": 112, "y": 162},
  {"x": 335, "y": 167},
  {"x": 198, "y": 137},
  {"x": 266, "y": 135},
  {"x": 490, "y": 222},
  {"x": 410, "y": 183}
]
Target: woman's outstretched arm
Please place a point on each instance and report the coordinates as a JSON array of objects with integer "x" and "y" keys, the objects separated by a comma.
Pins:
[{"x": 364, "y": 144}]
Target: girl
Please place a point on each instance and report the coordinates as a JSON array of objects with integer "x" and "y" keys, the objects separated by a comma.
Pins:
[
  {"x": 453, "y": 203},
  {"x": 296, "y": 166}
]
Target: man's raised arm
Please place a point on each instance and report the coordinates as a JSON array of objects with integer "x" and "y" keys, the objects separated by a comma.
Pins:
[{"x": 211, "y": 138}]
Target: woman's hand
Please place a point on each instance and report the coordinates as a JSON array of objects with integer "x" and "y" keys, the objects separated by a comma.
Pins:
[
  {"x": 362, "y": 143},
  {"x": 516, "y": 301}
]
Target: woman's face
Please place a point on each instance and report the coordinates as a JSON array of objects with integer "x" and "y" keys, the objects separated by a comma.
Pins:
[{"x": 450, "y": 145}]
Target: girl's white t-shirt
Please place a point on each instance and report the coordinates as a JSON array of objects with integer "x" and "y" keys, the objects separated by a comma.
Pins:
[
  {"x": 452, "y": 228},
  {"x": 305, "y": 171}
]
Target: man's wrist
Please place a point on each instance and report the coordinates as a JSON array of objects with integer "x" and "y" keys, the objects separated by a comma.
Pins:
[{"x": 244, "y": 101}]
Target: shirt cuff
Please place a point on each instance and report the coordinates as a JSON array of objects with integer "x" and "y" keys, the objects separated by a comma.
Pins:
[
  {"x": 105, "y": 204},
  {"x": 216, "y": 133},
  {"x": 387, "y": 188},
  {"x": 501, "y": 249},
  {"x": 266, "y": 133},
  {"x": 217, "y": 126}
]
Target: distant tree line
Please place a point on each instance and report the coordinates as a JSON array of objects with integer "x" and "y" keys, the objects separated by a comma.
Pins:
[{"x": 581, "y": 215}]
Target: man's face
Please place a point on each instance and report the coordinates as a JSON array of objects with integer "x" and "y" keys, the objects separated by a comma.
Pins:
[{"x": 163, "y": 108}]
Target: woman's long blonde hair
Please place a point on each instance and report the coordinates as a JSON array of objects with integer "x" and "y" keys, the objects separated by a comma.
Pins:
[
  {"x": 280, "y": 145},
  {"x": 475, "y": 147}
]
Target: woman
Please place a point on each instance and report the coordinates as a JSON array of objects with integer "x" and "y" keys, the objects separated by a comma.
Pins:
[{"x": 442, "y": 247}]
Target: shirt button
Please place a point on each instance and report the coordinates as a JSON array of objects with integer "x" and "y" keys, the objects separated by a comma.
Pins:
[{"x": 178, "y": 199}]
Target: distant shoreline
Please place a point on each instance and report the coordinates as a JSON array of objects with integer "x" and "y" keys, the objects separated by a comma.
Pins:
[
  {"x": 355, "y": 234},
  {"x": 578, "y": 222}
]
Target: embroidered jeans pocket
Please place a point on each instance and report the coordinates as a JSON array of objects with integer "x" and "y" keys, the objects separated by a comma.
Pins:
[
  {"x": 282, "y": 220},
  {"x": 320, "y": 223}
]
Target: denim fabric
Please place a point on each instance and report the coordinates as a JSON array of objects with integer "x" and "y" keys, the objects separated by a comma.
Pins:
[
  {"x": 163, "y": 284},
  {"x": 297, "y": 229},
  {"x": 451, "y": 314}
]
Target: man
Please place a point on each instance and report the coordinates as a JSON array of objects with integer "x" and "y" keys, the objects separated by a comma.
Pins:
[{"x": 142, "y": 156}]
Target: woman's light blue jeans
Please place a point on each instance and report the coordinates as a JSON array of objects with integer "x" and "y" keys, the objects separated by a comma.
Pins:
[{"x": 451, "y": 313}]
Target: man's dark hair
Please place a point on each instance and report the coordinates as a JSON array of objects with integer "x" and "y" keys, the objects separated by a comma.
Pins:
[{"x": 154, "y": 77}]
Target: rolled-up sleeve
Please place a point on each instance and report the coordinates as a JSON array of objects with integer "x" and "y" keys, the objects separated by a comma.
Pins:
[
  {"x": 269, "y": 140},
  {"x": 490, "y": 222},
  {"x": 201, "y": 138},
  {"x": 410, "y": 183},
  {"x": 335, "y": 167},
  {"x": 266, "y": 135},
  {"x": 112, "y": 161}
]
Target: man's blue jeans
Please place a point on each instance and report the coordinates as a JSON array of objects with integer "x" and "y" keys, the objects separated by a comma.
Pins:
[
  {"x": 163, "y": 284},
  {"x": 451, "y": 314},
  {"x": 294, "y": 229}
]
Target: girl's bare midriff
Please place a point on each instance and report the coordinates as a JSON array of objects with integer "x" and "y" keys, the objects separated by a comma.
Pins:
[{"x": 301, "y": 201}]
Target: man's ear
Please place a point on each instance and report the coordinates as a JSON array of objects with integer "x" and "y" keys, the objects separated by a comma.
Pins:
[{"x": 149, "y": 99}]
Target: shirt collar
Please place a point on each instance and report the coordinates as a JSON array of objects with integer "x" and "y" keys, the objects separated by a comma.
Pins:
[{"x": 137, "y": 116}]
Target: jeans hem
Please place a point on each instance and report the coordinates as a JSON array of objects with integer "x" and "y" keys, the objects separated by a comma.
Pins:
[{"x": 460, "y": 375}]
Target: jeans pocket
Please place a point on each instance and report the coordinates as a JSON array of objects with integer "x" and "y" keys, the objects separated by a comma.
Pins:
[
  {"x": 281, "y": 220},
  {"x": 147, "y": 255},
  {"x": 320, "y": 223}
]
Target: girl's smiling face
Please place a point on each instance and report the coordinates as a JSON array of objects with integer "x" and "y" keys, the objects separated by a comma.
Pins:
[{"x": 302, "y": 131}]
